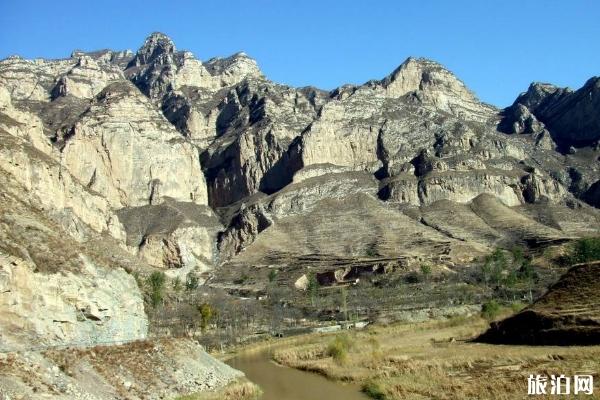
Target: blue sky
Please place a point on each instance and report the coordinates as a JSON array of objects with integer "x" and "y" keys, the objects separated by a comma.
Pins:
[{"x": 496, "y": 47}]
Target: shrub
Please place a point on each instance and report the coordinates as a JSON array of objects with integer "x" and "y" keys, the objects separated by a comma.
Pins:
[
  {"x": 339, "y": 347},
  {"x": 272, "y": 275},
  {"x": 373, "y": 390},
  {"x": 177, "y": 284},
  {"x": 191, "y": 281},
  {"x": 156, "y": 280},
  {"x": 244, "y": 278},
  {"x": 371, "y": 250},
  {"x": 207, "y": 313},
  {"x": 526, "y": 272},
  {"x": 426, "y": 270},
  {"x": 494, "y": 266},
  {"x": 518, "y": 254},
  {"x": 490, "y": 310},
  {"x": 312, "y": 288},
  {"x": 376, "y": 353},
  {"x": 584, "y": 250}
]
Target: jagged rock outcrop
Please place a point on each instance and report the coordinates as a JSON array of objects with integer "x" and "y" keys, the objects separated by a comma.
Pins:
[
  {"x": 430, "y": 83},
  {"x": 258, "y": 122},
  {"x": 570, "y": 116},
  {"x": 86, "y": 79}
]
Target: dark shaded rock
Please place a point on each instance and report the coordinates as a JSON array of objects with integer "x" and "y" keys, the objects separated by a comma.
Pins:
[
  {"x": 592, "y": 194},
  {"x": 572, "y": 117}
]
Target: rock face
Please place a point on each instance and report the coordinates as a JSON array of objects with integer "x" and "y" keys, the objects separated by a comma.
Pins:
[
  {"x": 133, "y": 155},
  {"x": 570, "y": 116},
  {"x": 58, "y": 283},
  {"x": 79, "y": 308},
  {"x": 181, "y": 165},
  {"x": 566, "y": 315}
]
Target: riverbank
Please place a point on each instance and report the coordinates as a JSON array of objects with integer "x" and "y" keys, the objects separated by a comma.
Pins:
[
  {"x": 279, "y": 382},
  {"x": 241, "y": 389},
  {"x": 434, "y": 360}
]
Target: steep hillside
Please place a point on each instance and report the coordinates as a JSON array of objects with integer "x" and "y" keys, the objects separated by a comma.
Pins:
[{"x": 569, "y": 314}]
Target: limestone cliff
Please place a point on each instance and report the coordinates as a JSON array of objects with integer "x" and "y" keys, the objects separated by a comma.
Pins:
[{"x": 185, "y": 165}]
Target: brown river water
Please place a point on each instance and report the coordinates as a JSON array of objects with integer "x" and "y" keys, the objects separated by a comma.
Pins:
[{"x": 283, "y": 383}]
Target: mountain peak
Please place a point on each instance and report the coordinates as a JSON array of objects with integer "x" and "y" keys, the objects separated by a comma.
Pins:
[
  {"x": 540, "y": 94},
  {"x": 428, "y": 76},
  {"x": 154, "y": 46}
]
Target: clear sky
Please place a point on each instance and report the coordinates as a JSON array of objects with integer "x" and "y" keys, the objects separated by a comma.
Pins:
[{"x": 496, "y": 47}]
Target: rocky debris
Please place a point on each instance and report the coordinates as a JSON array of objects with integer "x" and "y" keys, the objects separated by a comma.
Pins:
[
  {"x": 139, "y": 370},
  {"x": 566, "y": 315},
  {"x": 352, "y": 274},
  {"x": 301, "y": 283}
]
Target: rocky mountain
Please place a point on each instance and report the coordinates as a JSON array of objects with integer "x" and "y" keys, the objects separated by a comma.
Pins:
[{"x": 156, "y": 160}]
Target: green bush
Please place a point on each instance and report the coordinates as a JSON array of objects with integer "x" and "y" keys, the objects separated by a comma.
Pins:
[
  {"x": 518, "y": 255},
  {"x": 494, "y": 266},
  {"x": 340, "y": 346},
  {"x": 490, "y": 310},
  {"x": 156, "y": 280},
  {"x": 191, "y": 281},
  {"x": 373, "y": 390},
  {"x": 584, "y": 250},
  {"x": 312, "y": 288},
  {"x": 371, "y": 250},
  {"x": 527, "y": 272},
  {"x": 272, "y": 275},
  {"x": 426, "y": 270}
]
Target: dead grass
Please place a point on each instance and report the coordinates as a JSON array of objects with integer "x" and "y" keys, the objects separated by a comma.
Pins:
[
  {"x": 434, "y": 360},
  {"x": 242, "y": 389}
]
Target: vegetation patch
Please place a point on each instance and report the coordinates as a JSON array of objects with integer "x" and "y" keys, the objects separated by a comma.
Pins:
[{"x": 339, "y": 347}]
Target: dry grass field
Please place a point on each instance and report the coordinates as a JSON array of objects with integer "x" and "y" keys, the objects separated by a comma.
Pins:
[{"x": 436, "y": 360}]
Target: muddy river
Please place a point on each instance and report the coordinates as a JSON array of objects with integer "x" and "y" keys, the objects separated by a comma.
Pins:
[{"x": 283, "y": 383}]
